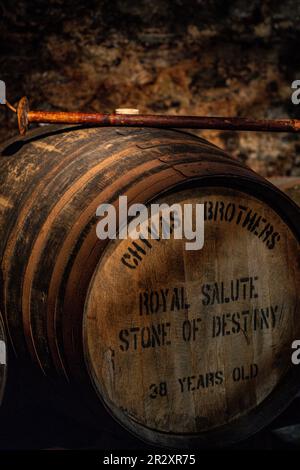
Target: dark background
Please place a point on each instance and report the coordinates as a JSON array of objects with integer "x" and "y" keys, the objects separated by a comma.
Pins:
[{"x": 212, "y": 57}]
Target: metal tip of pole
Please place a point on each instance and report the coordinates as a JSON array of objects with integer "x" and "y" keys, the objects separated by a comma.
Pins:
[{"x": 22, "y": 112}]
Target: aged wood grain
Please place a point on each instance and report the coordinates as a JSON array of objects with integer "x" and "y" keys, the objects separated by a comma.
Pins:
[{"x": 289, "y": 185}]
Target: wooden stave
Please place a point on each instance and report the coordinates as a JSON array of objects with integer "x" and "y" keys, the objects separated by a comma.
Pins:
[{"x": 290, "y": 185}]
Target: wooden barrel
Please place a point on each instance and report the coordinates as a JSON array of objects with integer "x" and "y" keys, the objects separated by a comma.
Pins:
[
  {"x": 3, "y": 359},
  {"x": 183, "y": 347}
]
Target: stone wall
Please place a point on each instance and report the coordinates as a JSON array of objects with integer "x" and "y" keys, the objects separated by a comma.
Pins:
[{"x": 214, "y": 57}]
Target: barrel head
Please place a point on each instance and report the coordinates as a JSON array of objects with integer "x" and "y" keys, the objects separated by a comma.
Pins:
[{"x": 188, "y": 343}]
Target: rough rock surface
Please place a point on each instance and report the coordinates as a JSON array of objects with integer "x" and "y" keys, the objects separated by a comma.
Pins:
[{"x": 213, "y": 57}]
